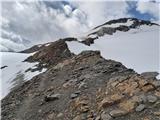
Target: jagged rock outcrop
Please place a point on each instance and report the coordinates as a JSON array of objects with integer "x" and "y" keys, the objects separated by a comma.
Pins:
[
  {"x": 84, "y": 87},
  {"x": 51, "y": 54},
  {"x": 38, "y": 47},
  {"x": 124, "y": 20}
]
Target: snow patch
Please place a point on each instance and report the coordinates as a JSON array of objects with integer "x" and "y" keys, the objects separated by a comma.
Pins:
[
  {"x": 128, "y": 23},
  {"x": 15, "y": 64},
  {"x": 47, "y": 44},
  {"x": 137, "y": 48}
]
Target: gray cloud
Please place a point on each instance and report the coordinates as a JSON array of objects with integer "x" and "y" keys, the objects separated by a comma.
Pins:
[
  {"x": 43, "y": 21},
  {"x": 40, "y": 21}
]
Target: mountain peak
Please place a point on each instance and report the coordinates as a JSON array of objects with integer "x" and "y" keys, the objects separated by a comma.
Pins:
[
  {"x": 112, "y": 26},
  {"x": 124, "y": 20}
]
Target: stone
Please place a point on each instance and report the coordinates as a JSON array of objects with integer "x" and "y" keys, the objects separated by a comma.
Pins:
[
  {"x": 60, "y": 115},
  {"x": 51, "y": 116},
  {"x": 151, "y": 98},
  {"x": 156, "y": 83},
  {"x": 115, "y": 83},
  {"x": 142, "y": 82},
  {"x": 127, "y": 87},
  {"x": 82, "y": 85},
  {"x": 70, "y": 83},
  {"x": 106, "y": 102},
  {"x": 140, "y": 107},
  {"x": 84, "y": 109},
  {"x": 147, "y": 88},
  {"x": 73, "y": 95},
  {"x": 140, "y": 98},
  {"x": 39, "y": 110},
  {"x": 3, "y": 67},
  {"x": 88, "y": 76},
  {"x": 156, "y": 104},
  {"x": 105, "y": 116},
  {"x": 110, "y": 100},
  {"x": 52, "y": 97},
  {"x": 146, "y": 118},
  {"x": 77, "y": 118},
  {"x": 81, "y": 105},
  {"x": 157, "y": 93},
  {"x": 82, "y": 116},
  {"x": 128, "y": 105},
  {"x": 149, "y": 75},
  {"x": 98, "y": 118},
  {"x": 117, "y": 113},
  {"x": 157, "y": 113},
  {"x": 117, "y": 97},
  {"x": 77, "y": 92}
]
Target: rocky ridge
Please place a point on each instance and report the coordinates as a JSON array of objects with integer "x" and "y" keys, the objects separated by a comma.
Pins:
[
  {"x": 83, "y": 87},
  {"x": 108, "y": 29}
]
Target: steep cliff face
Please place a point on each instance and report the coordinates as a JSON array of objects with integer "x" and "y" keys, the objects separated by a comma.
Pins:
[
  {"x": 52, "y": 53},
  {"x": 83, "y": 86}
]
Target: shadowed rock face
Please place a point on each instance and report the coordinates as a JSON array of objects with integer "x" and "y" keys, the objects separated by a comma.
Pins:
[
  {"x": 84, "y": 87},
  {"x": 51, "y": 54}
]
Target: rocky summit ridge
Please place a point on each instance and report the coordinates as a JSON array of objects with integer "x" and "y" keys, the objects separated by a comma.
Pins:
[{"x": 82, "y": 87}]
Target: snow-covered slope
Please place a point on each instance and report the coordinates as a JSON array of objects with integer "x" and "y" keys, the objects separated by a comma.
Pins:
[
  {"x": 14, "y": 71},
  {"x": 136, "y": 48}
]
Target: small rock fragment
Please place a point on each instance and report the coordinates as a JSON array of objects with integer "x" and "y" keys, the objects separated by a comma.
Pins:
[
  {"x": 118, "y": 113},
  {"x": 60, "y": 115},
  {"x": 51, "y": 97},
  {"x": 151, "y": 98},
  {"x": 128, "y": 105},
  {"x": 77, "y": 118},
  {"x": 82, "y": 116},
  {"x": 156, "y": 83},
  {"x": 98, "y": 118},
  {"x": 105, "y": 103},
  {"x": 157, "y": 113},
  {"x": 147, "y": 88},
  {"x": 73, "y": 95},
  {"x": 157, "y": 93},
  {"x": 82, "y": 85},
  {"x": 140, "y": 98},
  {"x": 140, "y": 107},
  {"x": 105, "y": 116},
  {"x": 149, "y": 75},
  {"x": 116, "y": 97},
  {"x": 78, "y": 92},
  {"x": 84, "y": 108}
]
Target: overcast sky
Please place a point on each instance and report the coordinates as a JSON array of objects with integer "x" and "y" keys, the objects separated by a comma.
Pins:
[{"x": 42, "y": 21}]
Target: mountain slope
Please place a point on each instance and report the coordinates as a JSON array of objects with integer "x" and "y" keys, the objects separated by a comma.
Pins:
[
  {"x": 136, "y": 47},
  {"x": 81, "y": 83},
  {"x": 85, "y": 86},
  {"x": 15, "y": 66}
]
